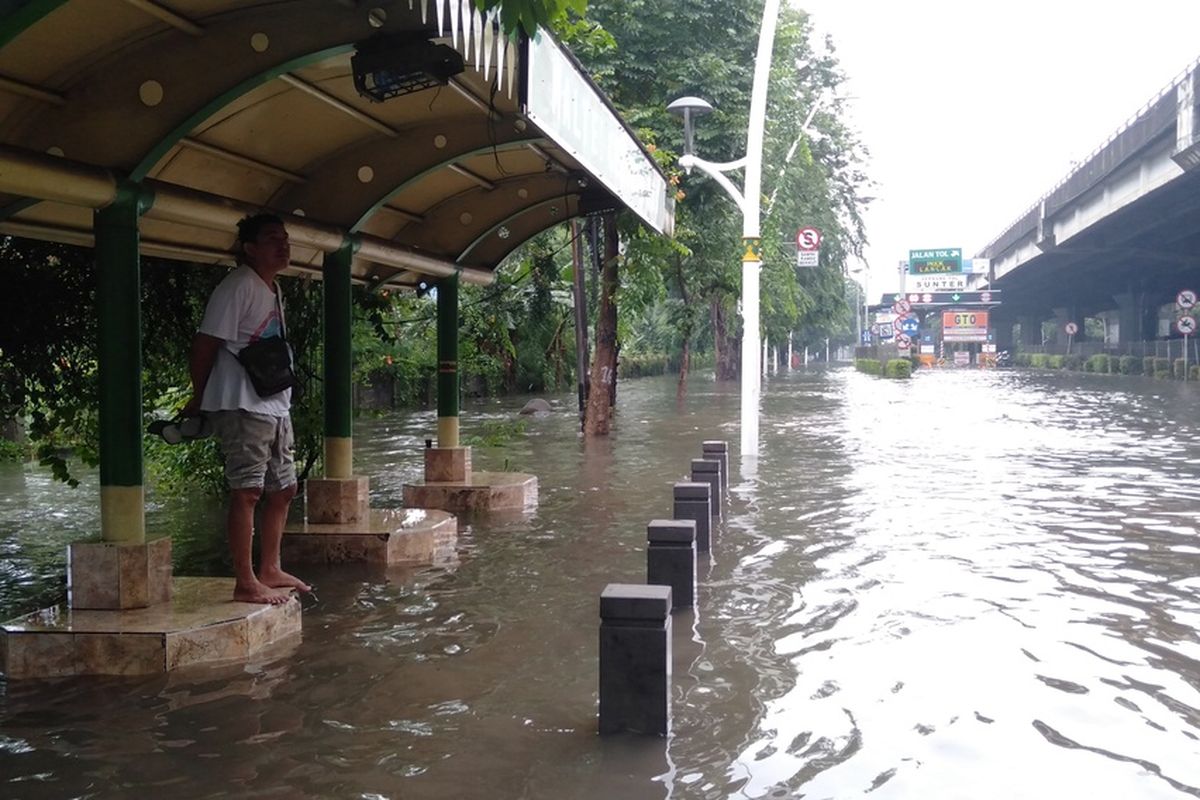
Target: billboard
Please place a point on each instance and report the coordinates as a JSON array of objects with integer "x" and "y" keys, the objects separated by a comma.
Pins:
[
  {"x": 964, "y": 326},
  {"x": 935, "y": 262}
]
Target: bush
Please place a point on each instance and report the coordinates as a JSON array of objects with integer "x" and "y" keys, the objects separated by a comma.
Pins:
[
  {"x": 1162, "y": 365},
  {"x": 899, "y": 368},
  {"x": 1073, "y": 363},
  {"x": 1178, "y": 371},
  {"x": 869, "y": 366},
  {"x": 1099, "y": 363},
  {"x": 11, "y": 451},
  {"x": 1023, "y": 359},
  {"x": 1162, "y": 374},
  {"x": 1130, "y": 365},
  {"x": 1194, "y": 372},
  {"x": 1148, "y": 366},
  {"x": 640, "y": 366},
  {"x": 1039, "y": 360},
  {"x": 1056, "y": 362}
]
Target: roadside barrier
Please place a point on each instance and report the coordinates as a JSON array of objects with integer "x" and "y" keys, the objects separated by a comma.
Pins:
[{"x": 635, "y": 619}]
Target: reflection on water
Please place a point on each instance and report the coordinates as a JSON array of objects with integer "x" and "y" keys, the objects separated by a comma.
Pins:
[{"x": 967, "y": 585}]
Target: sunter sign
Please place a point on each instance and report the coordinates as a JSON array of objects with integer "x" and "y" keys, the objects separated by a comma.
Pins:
[
  {"x": 964, "y": 326},
  {"x": 935, "y": 262}
]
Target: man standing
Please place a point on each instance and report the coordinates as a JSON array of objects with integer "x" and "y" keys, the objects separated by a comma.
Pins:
[{"x": 255, "y": 433}]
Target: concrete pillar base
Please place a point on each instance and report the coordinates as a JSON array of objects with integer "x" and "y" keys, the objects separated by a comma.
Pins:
[
  {"x": 119, "y": 575},
  {"x": 448, "y": 464},
  {"x": 483, "y": 492},
  {"x": 387, "y": 538},
  {"x": 337, "y": 501},
  {"x": 199, "y": 625}
]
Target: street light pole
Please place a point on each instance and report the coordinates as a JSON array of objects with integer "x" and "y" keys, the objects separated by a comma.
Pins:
[{"x": 749, "y": 201}]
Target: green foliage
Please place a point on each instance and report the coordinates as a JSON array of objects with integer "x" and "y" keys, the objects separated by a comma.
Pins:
[
  {"x": 498, "y": 433},
  {"x": 1162, "y": 374},
  {"x": 870, "y": 366},
  {"x": 1179, "y": 371},
  {"x": 1056, "y": 362},
  {"x": 898, "y": 368},
  {"x": 1129, "y": 365},
  {"x": 1162, "y": 365},
  {"x": 1023, "y": 360},
  {"x": 1073, "y": 362},
  {"x": 1098, "y": 363},
  {"x": 12, "y": 451},
  {"x": 529, "y": 15},
  {"x": 1149, "y": 365},
  {"x": 816, "y": 179}
]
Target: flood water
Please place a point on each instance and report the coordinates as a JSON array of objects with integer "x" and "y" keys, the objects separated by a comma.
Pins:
[{"x": 968, "y": 585}]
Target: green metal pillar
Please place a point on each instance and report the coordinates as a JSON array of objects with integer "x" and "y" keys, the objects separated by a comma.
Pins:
[
  {"x": 339, "y": 442},
  {"x": 118, "y": 303},
  {"x": 447, "y": 352}
]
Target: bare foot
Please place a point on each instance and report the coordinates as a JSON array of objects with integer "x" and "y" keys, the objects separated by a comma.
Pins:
[
  {"x": 278, "y": 579},
  {"x": 260, "y": 593}
]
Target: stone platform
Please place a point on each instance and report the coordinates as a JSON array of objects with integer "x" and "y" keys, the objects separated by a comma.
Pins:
[
  {"x": 388, "y": 537},
  {"x": 480, "y": 492},
  {"x": 199, "y": 625}
]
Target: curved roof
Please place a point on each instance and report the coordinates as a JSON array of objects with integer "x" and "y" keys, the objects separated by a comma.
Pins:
[{"x": 220, "y": 107}]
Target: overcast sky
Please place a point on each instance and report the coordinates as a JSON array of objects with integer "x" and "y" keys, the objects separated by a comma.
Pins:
[{"x": 973, "y": 109}]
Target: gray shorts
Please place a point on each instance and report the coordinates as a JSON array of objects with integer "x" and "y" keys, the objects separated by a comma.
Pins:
[{"x": 257, "y": 449}]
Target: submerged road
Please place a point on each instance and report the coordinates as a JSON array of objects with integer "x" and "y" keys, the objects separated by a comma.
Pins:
[{"x": 967, "y": 585}]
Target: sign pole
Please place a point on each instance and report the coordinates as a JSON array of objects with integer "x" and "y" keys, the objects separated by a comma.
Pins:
[{"x": 1185, "y": 354}]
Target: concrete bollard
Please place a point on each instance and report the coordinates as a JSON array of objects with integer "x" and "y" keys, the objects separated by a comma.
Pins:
[
  {"x": 717, "y": 450},
  {"x": 671, "y": 558},
  {"x": 710, "y": 472},
  {"x": 635, "y": 658},
  {"x": 692, "y": 501}
]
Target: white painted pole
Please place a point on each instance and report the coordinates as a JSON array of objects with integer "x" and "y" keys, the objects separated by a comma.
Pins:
[
  {"x": 789, "y": 362},
  {"x": 751, "y": 233}
]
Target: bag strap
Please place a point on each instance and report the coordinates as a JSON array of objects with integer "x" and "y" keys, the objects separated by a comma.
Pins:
[{"x": 279, "y": 307}]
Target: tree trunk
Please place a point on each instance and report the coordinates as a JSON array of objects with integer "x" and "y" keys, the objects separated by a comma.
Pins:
[
  {"x": 685, "y": 361},
  {"x": 597, "y": 420},
  {"x": 685, "y": 357},
  {"x": 727, "y": 350}
]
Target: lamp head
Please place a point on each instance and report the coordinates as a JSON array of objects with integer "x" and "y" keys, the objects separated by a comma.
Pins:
[{"x": 688, "y": 107}]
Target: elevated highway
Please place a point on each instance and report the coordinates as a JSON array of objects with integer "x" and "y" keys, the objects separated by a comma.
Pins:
[{"x": 1118, "y": 237}]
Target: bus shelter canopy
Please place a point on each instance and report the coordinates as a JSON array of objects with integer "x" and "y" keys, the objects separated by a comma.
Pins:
[{"x": 212, "y": 109}]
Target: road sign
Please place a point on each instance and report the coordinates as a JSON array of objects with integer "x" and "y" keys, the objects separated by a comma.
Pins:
[
  {"x": 902, "y": 306},
  {"x": 808, "y": 258},
  {"x": 953, "y": 298},
  {"x": 1071, "y": 328},
  {"x": 1186, "y": 325},
  {"x": 909, "y": 326},
  {"x": 808, "y": 238},
  {"x": 898, "y": 324},
  {"x": 1186, "y": 299},
  {"x": 902, "y": 340}
]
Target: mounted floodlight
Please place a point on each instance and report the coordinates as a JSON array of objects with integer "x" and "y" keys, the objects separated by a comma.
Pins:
[
  {"x": 391, "y": 65},
  {"x": 688, "y": 107}
]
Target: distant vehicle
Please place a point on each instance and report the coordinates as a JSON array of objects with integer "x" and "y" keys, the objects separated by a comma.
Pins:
[{"x": 1004, "y": 360}]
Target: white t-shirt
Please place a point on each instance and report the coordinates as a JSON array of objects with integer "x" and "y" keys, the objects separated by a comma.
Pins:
[{"x": 242, "y": 309}]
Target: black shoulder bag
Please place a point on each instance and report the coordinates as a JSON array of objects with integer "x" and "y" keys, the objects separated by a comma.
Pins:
[{"x": 268, "y": 362}]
